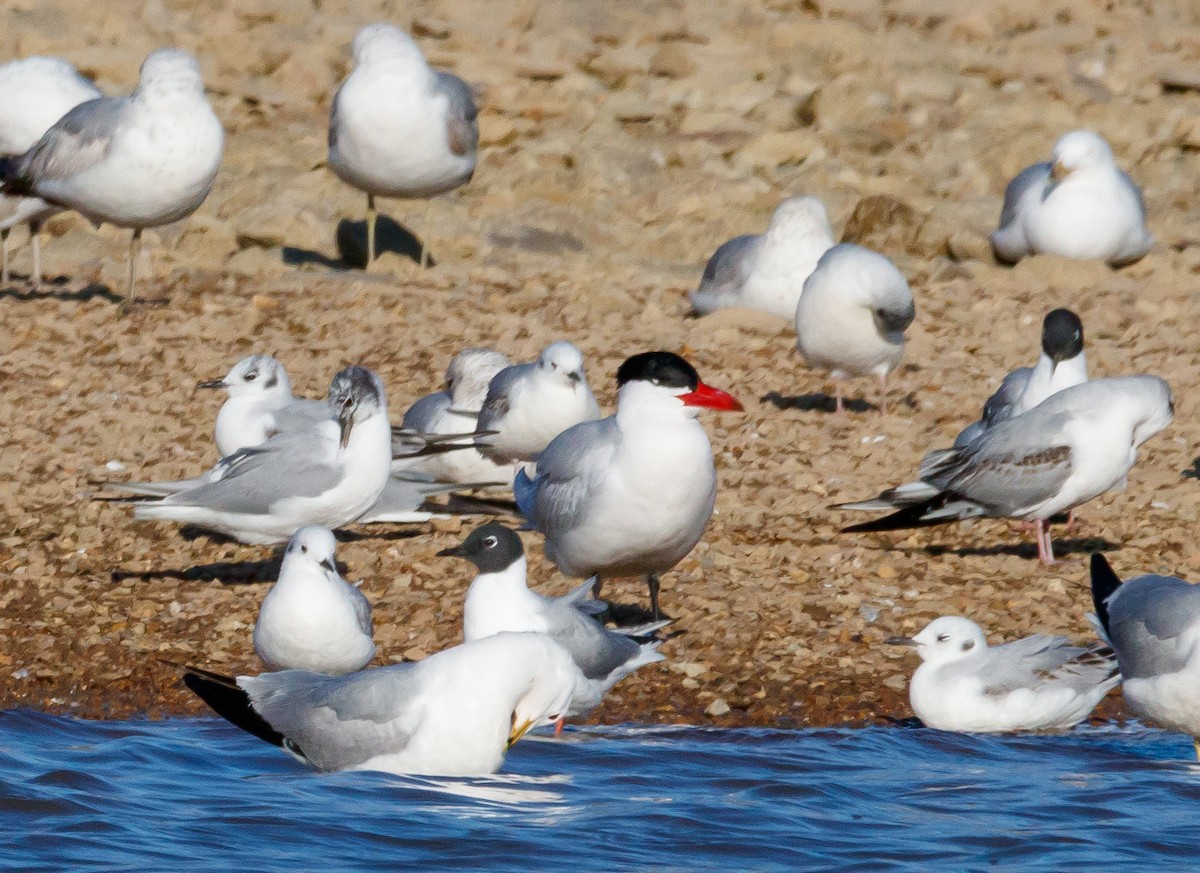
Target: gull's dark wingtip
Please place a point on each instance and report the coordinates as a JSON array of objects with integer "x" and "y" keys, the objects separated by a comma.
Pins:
[
  {"x": 228, "y": 700},
  {"x": 1104, "y": 583}
]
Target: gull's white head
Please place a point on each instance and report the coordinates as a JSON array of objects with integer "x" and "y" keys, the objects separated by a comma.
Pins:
[
  {"x": 1153, "y": 405},
  {"x": 469, "y": 374},
  {"x": 1080, "y": 150},
  {"x": 313, "y": 546},
  {"x": 170, "y": 71},
  {"x": 946, "y": 639},
  {"x": 555, "y": 681},
  {"x": 258, "y": 376},
  {"x": 800, "y": 217},
  {"x": 382, "y": 41},
  {"x": 564, "y": 359}
]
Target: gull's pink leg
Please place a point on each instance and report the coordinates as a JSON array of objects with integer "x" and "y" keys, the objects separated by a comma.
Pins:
[
  {"x": 1045, "y": 550},
  {"x": 882, "y": 394}
]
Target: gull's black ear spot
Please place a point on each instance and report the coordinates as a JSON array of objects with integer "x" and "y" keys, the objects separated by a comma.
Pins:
[{"x": 968, "y": 645}]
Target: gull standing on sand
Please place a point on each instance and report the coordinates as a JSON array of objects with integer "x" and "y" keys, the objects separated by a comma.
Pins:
[
  {"x": 1062, "y": 364},
  {"x": 1035, "y": 683},
  {"x": 1079, "y": 205},
  {"x": 35, "y": 93},
  {"x": 852, "y": 316},
  {"x": 499, "y": 601},
  {"x": 399, "y": 128},
  {"x": 631, "y": 494},
  {"x": 528, "y": 405},
  {"x": 1153, "y": 624},
  {"x": 1067, "y": 450},
  {"x": 140, "y": 161},
  {"x": 330, "y": 474},
  {"x": 456, "y": 411},
  {"x": 455, "y": 713},
  {"x": 312, "y": 619},
  {"x": 767, "y": 271}
]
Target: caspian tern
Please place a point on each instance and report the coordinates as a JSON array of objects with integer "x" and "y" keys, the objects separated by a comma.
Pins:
[
  {"x": 1078, "y": 205},
  {"x": 629, "y": 495}
]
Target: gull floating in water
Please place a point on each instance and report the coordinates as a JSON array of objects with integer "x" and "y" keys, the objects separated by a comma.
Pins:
[
  {"x": 140, "y": 161},
  {"x": 329, "y": 474},
  {"x": 499, "y": 601},
  {"x": 631, "y": 494},
  {"x": 312, "y": 618},
  {"x": 1035, "y": 683},
  {"x": 527, "y": 405},
  {"x": 767, "y": 271},
  {"x": 852, "y": 316},
  {"x": 455, "y": 713},
  {"x": 1153, "y": 624},
  {"x": 1067, "y": 450},
  {"x": 1079, "y": 205},
  {"x": 399, "y": 128},
  {"x": 1062, "y": 364},
  {"x": 35, "y": 92}
]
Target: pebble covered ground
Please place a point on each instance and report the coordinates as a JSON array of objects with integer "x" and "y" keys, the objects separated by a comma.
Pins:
[{"x": 621, "y": 143}]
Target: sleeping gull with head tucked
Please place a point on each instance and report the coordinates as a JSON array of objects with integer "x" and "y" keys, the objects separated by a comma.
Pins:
[
  {"x": 767, "y": 271},
  {"x": 499, "y": 601},
  {"x": 140, "y": 161},
  {"x": 852, "y": 316},
  {"x": 1153, "y": 624},
  {"x": 1067, "y": 450},
  {"x": 35, "y": 92},
  {"x": 1079, "y": 205},
  {"x": 456, "y": 713},
  {"x": 399, "y": 128},
  {"x": 1035, "y": 683}
]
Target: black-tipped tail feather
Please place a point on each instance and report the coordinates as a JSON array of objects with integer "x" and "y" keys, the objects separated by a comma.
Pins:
[
  {"x": 1104, "y": 583},
  {"x": 939, "y": 509}
]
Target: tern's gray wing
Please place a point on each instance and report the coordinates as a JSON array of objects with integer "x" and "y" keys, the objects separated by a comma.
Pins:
[
  {"x": 1147, "y": 619},
  {"x": 1034, "y": 176},
  {"x": 725, "y": 273},
  {"x": 595, "y": 649},
  {"x": 340, "y": 721},
  {"x": 495, "y": 405},
  {"x": 422, "y": 414},
  {"x": 1014, "y": 465},
  {"x": 292, "y": 464},
  {"x": 77, "y": 141},
  {"x": 568, "y": 471},
  {"x": 462, "y": 126},
  {"x": 1034, "y": 661}
]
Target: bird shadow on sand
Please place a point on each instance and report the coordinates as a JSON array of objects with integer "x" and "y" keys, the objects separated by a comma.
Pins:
[
  {"x": 815, "y": 403},
  {"x": 225, "y": 572},
  {"x": 378, "y": 531},
  {"x": 1193, "y": 472},
  {"x": 60, "y": 289},
  {"x": 1062, "y": 547},
  {"x": 351, "y": 241}
]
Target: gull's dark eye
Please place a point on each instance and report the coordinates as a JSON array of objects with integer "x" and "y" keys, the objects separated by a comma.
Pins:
[
  {"x": 490, "y": 542},
  {"x": 251, "y": 376},
  {"x": 943, "y": 637}
]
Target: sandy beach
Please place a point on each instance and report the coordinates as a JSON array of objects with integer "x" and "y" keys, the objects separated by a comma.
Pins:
[{"x": 621, "y": 143}]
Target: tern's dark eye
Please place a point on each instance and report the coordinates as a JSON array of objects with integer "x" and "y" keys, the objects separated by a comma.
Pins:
[
  {"x": 490, "y": 542},
  {"x": 943, "y": 638}
]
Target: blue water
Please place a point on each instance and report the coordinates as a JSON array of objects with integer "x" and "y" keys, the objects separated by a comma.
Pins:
[{"x": 197, "y": 794}]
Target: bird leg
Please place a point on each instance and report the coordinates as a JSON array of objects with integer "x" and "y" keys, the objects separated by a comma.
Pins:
[
  {"x": 1045, "y": 550},
  {"x": 838, "y": 407},
  {"x": 4, "y": 255},
  {"x": 652, "y": 583},
  {"x": 370, "y": 229},
  {"x": 882, "y": 394},
  {"x": 135, "y": 252},
  {"x": 558, "y": 726},
  {"x": 1071, "y": 521},
  {"x": 597, "y": 584},
  {"x": 1196, "y": 746},
  {"x": 35, "y": 241},
  {"x": 425, "y": 235}
]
